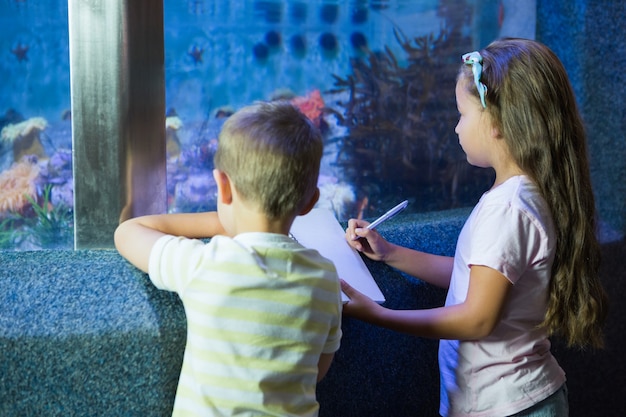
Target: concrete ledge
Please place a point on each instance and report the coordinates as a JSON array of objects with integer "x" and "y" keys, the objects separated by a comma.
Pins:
[{"x": 84, "y": 333}]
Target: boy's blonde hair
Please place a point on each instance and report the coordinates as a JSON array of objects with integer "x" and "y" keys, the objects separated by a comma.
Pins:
[
  {"x": 271, "y": 152},
  {"x": 532, "y": 104}
]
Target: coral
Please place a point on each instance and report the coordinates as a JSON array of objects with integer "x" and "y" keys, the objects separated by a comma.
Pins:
[
  {"x": 312, "y": 106},
  {"x": 196, "y": 193},
  {"x": 17, "y": 185},
  {"x": 57, "y": 172}
]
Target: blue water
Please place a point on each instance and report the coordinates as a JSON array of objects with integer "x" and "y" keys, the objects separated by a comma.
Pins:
[
  {"x": 227, "y": 33},
  {"x": 223, "y": 54},
  {"x": 34, "y": 49}
]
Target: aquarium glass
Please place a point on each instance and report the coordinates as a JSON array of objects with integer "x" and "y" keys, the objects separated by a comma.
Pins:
[
  {"x": 377, "y": 77},
  {"x": 36, "y": 185}
]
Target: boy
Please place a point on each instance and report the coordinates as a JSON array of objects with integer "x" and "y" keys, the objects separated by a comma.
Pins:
[{"x": 263, "y": 312}]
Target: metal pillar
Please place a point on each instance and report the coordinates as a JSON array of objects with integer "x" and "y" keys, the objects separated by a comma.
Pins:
[{"x": 118, "y": 115}]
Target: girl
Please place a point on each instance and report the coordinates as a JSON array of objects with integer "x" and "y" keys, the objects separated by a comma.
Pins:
[{"x": 526, "y": 262}]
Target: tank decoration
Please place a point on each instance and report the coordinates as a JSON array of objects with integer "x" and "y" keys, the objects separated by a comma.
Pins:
[
  {"x": 25, "y": 137},
  {"x": 358, "y": 15},
  {"x": 329, "y": 13},
  {"x": 328, "y": 42},
  {"x": 270, "y": 11},
  {"x": 273, "y": 39},
  {"x": 297, "y": 45},
  {"x": 298, "y": 12},
  {"x": 358, "y": 41},
  {"x": 260, "y": 51}
]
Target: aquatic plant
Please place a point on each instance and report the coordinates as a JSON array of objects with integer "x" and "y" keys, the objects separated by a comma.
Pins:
[
  {"x": 9, "y": 233},
  {"x": 46, "y": 225},
  {"x": 400, "y": 120},
  {"x": 37, "y": 225}
]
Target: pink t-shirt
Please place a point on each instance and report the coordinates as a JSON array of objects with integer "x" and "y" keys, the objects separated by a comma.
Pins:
[{"x": 511, "y": 231}]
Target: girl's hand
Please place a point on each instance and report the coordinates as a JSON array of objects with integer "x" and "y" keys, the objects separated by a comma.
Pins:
[
  {"x": 360, "y": 306},
  {"x": 368, "y": 242}
]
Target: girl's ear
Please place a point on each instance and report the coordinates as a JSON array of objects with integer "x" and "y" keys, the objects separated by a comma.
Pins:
[
  {"x": 224, "y": 190},
  {"x": 495, "y": 132}
]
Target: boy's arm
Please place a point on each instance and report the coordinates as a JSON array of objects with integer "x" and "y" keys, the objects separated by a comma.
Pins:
[
  {"x": 135, "y": 237},
  {"x": 323, "y": 365}
]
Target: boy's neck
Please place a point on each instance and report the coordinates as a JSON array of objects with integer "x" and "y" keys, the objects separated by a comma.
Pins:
[{"x": 246, "y": 220}]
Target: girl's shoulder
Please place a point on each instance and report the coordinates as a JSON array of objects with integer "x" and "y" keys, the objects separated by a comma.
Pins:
[
  {"x": 517, "y": 200},
  {"x": 517, "y": 191}
]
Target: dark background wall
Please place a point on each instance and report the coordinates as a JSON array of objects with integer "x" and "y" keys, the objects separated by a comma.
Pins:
[{"x": 589, "y": 38}]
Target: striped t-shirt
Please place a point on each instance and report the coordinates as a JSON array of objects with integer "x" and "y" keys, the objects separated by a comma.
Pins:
[{"x": 261, "y": 309}]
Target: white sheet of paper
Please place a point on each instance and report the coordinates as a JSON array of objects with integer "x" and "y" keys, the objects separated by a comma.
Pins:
[{"x": 320, "y": 230}]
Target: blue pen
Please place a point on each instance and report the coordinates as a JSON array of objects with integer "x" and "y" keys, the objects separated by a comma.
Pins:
[{"x": 397, "y": 209}]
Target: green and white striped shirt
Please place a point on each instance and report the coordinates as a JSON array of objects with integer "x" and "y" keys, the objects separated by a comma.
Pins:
[{"x": 261, "y": 309}]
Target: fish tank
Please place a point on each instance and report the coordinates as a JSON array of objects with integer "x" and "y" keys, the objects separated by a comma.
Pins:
[{"x": 376, "y": 76}]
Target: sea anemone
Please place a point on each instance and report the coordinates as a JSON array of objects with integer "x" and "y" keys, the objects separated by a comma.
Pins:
[
  {"x": 17, "y": 185},
  {"x": 173, "y": 122},
  {"x": 14, "y": 131},
  {"x": 25, "y": 138}
]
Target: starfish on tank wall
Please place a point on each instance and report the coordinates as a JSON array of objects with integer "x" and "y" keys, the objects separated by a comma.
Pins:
[
  {"x": 196, "y": 54},
  {"x": 20, "y": 52}
]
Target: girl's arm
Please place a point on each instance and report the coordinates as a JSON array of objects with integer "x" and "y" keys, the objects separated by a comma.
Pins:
[
  {"x": 135, "y": 237},
  {"x": 473, "y": 319},
  {"x": 433, "y": 269}
]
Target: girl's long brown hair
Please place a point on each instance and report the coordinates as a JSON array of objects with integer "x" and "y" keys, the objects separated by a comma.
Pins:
[{"x": 531, "y": 100}]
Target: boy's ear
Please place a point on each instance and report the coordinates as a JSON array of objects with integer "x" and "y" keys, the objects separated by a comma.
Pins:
[
  {"x": 224, "y": 191},
  {"x": 309, "y": 206}
]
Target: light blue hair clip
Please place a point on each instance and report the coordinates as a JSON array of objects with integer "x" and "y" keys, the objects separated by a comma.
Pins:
[{"x": 476, "y": 61}]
